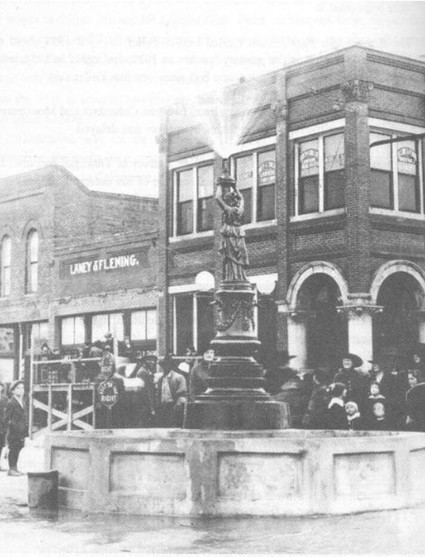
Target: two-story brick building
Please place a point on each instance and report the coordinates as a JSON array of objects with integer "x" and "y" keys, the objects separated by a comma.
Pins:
[
  {"x": 337, "y": 223},
  {"x": 74, "y": 264}
]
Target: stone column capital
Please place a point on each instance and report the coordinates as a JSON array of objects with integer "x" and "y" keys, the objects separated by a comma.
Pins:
[
  {"x": 280, "y": 109},
  {"x": 356, "y": 90},
  {"x": 358, "y": 310}
]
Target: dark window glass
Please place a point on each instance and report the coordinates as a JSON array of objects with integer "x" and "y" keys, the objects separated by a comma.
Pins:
[
  {"x": 266, "y": 186},
  {"x": 381, "y": 189},
  {"x": 205, "y": 198},
  {"x": 185, "y": 202},
  {"x": 309, "y": 195},
  {"x": 184, "y": 322},
  {"x": 334, "y": 180},
  {"x": 408, "y": 184},
  {"x": 245, "y": 180},
  {"x": 334, "y": 189},
  {"x": 308, "y": 182},
  {"x": 205, "y": 321}
]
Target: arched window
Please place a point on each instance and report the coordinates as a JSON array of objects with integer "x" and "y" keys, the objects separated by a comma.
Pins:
[
  {"x": 6, "y": 256},
  {"x": 32, "y": 261}
]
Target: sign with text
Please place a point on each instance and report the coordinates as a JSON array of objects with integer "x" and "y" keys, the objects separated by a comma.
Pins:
[
  {"x": 108, "y": 393},
  {"x": 115, "y": 262}
]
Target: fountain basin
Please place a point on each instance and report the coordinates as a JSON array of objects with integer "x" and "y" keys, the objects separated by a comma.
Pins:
[{"x": 288, "y": 472}]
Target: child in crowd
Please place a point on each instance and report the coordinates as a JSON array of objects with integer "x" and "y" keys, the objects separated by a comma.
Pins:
[
  {"x": 335, "y": 415},
  {"x": 354, "y": 419},
  {"x": 378, "y": 420}
]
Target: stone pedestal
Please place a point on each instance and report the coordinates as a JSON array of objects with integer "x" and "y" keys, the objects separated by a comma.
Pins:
[{"x": 235, "y": 398}]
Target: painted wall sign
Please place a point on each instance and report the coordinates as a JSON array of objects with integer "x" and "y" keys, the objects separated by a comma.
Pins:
[
  {"x": 108, "y": 393},
  {"x": 109, "y": 263}
]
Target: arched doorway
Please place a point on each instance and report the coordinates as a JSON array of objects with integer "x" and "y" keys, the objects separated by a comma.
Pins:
[
  {"x": 326, "y": 329},
  {"x": 396, "y": 328}
]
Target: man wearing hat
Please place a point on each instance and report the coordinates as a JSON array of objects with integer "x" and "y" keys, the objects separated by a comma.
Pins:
[
  {"x": 276, "y": 363},
  {"x": 146, "y": 373},
  {"x": 199, "y": 375},
  {"x": 16, "y": 420},
  {"x": 292, "y": 389},
  {"x": 315, "y": 416},
  {"x": 172, "y": 394},
  {"x": 355, "y": 382}
]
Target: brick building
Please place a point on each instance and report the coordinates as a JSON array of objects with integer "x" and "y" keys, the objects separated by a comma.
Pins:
[
  {"x": 335, "y": 224},
  {"x": 74, "y": 264}
]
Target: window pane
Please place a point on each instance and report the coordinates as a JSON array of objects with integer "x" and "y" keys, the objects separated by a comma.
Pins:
[
  {"x": 185, "y": 218},
  {"x": 334, "y": 152},
  {"x": 6, "y": 249},
  {"x": 33, "y": 246},
  {"x": 205, "y": 181},
  {"x": 100, "y": 326},
  {"x": 266, "y": 203},
  {"x": 33, "y": 278},
  {"x": 151, "y": 324},
  {"x": 138, "y": 325},
  {"x": 67, "y": 330},
  {"x": 407, "y": 158},
  {"x": 205, "y": 214},
  {"x": 185, "y": 185},
  {"x": 79, "y": 330},
  {"x": 408, "y": 194},
  {"x": 334, "y": 189},
  {"x": 266, "y": 168},
  {"x": 244, "y": 172},
  {"x": 309, "y": 158},
  {"x": 205, "y": 322},
  {"x": 381, "y": 189},
  {"x": 116, "y": 325},
  {"x": 380, "y": 156},
  {"x": 309, "y": 194},
  {"x": 247, "y": 196},
  {"x": 184, "y": 323}
]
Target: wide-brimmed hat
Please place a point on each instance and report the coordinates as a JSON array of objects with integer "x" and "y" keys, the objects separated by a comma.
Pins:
[
  {"x": 357, "y": 361},
  {"x": 15, "y": 384},
  {"x": 282, "y": 357}
]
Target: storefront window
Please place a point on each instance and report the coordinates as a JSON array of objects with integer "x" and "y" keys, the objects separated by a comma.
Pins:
[
  {"x": 143, "y": 325},
  {"x": 73, "y": 330},
  {"x": 107, "y": 323}
]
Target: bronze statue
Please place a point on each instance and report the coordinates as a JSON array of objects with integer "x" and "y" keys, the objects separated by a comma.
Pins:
[{"x": 233, "y": 248}]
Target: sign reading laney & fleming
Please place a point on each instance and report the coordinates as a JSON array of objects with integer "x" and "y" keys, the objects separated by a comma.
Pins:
[{"x": 110, "y": 263}]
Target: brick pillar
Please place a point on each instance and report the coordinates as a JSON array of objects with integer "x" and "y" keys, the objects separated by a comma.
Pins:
[
  {"x": 282, "y": 205},
  {"x": 165, "y": 228},
  {"x": 357, "y": 173}
]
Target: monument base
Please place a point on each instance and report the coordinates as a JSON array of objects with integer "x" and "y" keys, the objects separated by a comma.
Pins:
[
  {"x": 178, "y": 472},
  {"x": 237, "y": 415}
]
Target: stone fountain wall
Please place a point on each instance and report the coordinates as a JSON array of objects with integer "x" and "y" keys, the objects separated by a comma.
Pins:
[{"x": 225, "y": 473}]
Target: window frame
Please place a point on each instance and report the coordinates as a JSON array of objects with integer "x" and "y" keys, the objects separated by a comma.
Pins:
[
  {"x": 5, "y": 271},
  {"x": 73, "y": 318},
  {"x": 394, "y": 175},
  {"x": 145, "y": 311},
  {"x": 255, "y": 152},
  {"x": 311, "y": 135},
  {"x": 32, "y": 265},
  {"x": 194, "y": 167}
]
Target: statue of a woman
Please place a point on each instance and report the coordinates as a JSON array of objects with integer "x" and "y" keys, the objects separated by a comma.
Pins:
[{"x": 233, "y": 248}]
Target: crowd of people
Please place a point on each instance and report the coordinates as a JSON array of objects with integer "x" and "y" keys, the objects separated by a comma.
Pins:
[{"x": 387, "y": 397}]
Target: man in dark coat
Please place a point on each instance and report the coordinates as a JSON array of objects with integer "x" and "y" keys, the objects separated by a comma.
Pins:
[
  {"x": 16, "y": 419},
  {"x": 315, "y": 416},
  {"x": 146, "y": 373},
  {"x": 172, "y": 394},
  {"x": 3, "y": 425}
]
